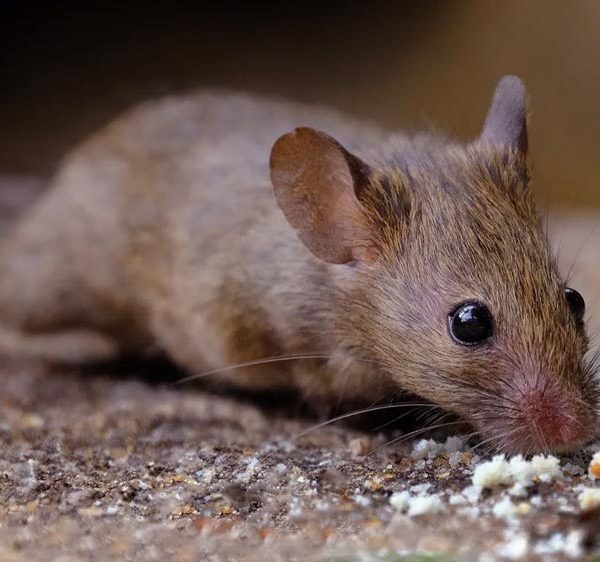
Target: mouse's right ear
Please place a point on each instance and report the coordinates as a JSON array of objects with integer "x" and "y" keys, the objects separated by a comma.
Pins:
[
  {"x": 316, "y": 182},
  {"x": 506, "y": 122}
]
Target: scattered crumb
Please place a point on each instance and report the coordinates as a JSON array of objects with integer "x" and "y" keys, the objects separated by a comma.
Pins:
[
  {"x": 515, "y": 548},
  {"x": 400, "y": 500},
  {"x": 594, "y": 468},
  {"x": 517, "y": 471},
  {"x": 492, "y": 473},
  {"x": 589, "y": 498},
  {"x": 505, "y": 509},
  {"x": 422, "y": 505},
  {"x": 360, "y": 447},
  {"x": 546, "y": 468}
]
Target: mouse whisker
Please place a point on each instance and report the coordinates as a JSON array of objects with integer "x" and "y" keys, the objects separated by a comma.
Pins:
[
  {"x": 252, "y": 363},
  {"x": 579, "y": 252},
  {"x": 492, "y": 439},
  {"x": 358, "y": 413},
  {"x": 393, "y": 421},
  {"x": 414, "y": 434}
]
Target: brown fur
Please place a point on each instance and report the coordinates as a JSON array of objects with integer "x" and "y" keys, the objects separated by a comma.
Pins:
[{"x": 161, "y": 233}]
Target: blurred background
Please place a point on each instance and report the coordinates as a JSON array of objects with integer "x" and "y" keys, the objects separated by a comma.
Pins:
[{"x": 66, "y": 68}]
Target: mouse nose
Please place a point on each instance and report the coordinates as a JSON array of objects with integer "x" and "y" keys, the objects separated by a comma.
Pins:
[{"x": 554, "y": 420}]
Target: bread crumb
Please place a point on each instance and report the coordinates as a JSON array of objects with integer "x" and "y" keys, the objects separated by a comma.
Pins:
[
  {"x": 422, "y": 505},
  {"x": 499, "y": 471},
  {"x": 362, "y": 501},
  {"x": 492, "y": 473},
  {"x": 546, "y": 468},
  {"x": 518, "y": 490},
  {"x": 589, "y": 498},
  {"x": 505, "y": 509},
  {"x": 425, "y": 448},
  {"x": 594, "y": 468},
  {"x": 472, "y": 493},
  {"x": 416, "y": 505},
  {"x": 360, "y": 447},
  {"x": 569, "y": 544},
  {"x": 523, "y": 508},
  {"x": 516, "y": 547},
  {"x": 400, "y": 500},
  {"x": 429, "y": 449}
]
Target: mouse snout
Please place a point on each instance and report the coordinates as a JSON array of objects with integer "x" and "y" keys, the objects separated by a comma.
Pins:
[
  {"x": 555, "y": 422},
  {"x": 551, "y": 416}
]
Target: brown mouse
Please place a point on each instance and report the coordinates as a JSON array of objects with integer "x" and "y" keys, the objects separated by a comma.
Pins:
[{"x": 397, "y": 263}]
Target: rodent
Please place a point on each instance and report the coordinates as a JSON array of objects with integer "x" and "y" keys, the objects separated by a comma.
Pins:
[{"x": 221, "y": 228}]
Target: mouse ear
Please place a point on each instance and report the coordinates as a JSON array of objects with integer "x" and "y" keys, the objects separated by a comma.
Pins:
[
  {"x": 506, "y": 122},
  {"x": 316, "y": 182}
]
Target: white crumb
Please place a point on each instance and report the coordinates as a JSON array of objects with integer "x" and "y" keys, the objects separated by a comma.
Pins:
[
  {"x": 546, "y": 468},
  {"x": 518, "y": 490},
  {"x": 429, "y": 448},
  {"x": 457, "y": 499},
  {"x": 515, "y": 548},
  {"x": 589, "y": 498},
  {"x": 420, "y": 488},
  {"x": 573, "y": 544},
  {"x": 422, "y": 505},
  {"x": 559, "y": 543},
  {"x": 499, "y": 471},
  {"x": 492, "y": 473},
  {"x": 400, "y": 500},
  {"x": 472, "y": 493},
  {"x": 505, "y": 509},
  {"x": 424, "y": 448},
  {"x": 470, "y": 511},
  {"x": 454, "y": 444}
]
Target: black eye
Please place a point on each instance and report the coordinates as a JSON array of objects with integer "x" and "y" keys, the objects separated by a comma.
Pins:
[
  {"x": 471, "y": 323},
  {"x": 576, "y": 304}
]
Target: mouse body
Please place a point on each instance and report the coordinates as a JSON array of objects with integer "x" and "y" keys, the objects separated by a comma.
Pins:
[{"x": 223, "y": 229}]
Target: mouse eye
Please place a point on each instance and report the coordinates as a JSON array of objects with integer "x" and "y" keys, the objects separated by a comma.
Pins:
[
  {"x": 576, "y": 304},
  {"x": 471, "y": 323}
]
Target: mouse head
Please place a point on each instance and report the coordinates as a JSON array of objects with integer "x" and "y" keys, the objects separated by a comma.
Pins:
[{"x": 446, "y": 277}]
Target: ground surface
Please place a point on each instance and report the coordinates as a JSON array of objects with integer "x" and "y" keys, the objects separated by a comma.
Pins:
[{"x": 95, "y": 466}]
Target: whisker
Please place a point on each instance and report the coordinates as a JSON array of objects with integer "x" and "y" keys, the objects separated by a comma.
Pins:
[
  {"x": 414, "y": 433},
  {"x": 578, "y": 253},
  {"x": 253, "y": 363},
  {"x": 358, "y": 413},
  {"x": 391, "y": 422},
  {"x": 494, "y": 438}
]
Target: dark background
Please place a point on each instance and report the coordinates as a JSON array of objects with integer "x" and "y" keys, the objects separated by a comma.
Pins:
[{"x": 68, "y": 67}]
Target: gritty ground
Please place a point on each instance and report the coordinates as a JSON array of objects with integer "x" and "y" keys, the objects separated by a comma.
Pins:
[{"x": 128, "y": 466}]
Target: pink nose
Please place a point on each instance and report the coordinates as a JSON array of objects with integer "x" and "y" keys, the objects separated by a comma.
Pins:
[{"x": 555, "y": 421}]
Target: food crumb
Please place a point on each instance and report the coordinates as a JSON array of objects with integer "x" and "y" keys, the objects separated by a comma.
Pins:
[
  {"x": 546, "y": 467},
  {"x": 594, "y": 468},
  {"x": 589, "y": 498},
  {"x": 360, "y": 447},
  {"x": 492, "y": 473},
  {"x": 422, "y": 505},
  {"x": 400, "y": 500},
  {"x": 515, "y": 548},
  {"x": 362, "y": 501},
  {"x": 505, "y": 509}
]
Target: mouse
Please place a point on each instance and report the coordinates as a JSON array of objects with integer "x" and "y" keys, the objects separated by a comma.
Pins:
[{"x": 314, "y": 251}]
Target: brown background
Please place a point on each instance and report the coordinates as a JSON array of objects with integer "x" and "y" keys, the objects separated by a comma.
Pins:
[{"x": 66, "y": 68}]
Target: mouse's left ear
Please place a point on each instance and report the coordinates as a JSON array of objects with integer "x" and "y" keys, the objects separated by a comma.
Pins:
[
  {"x": 317, "y": 184},
  {"x": 506, "y": 122}
]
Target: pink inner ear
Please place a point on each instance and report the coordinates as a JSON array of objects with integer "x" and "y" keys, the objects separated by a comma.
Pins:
[{"x": 314, "y": 187}]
